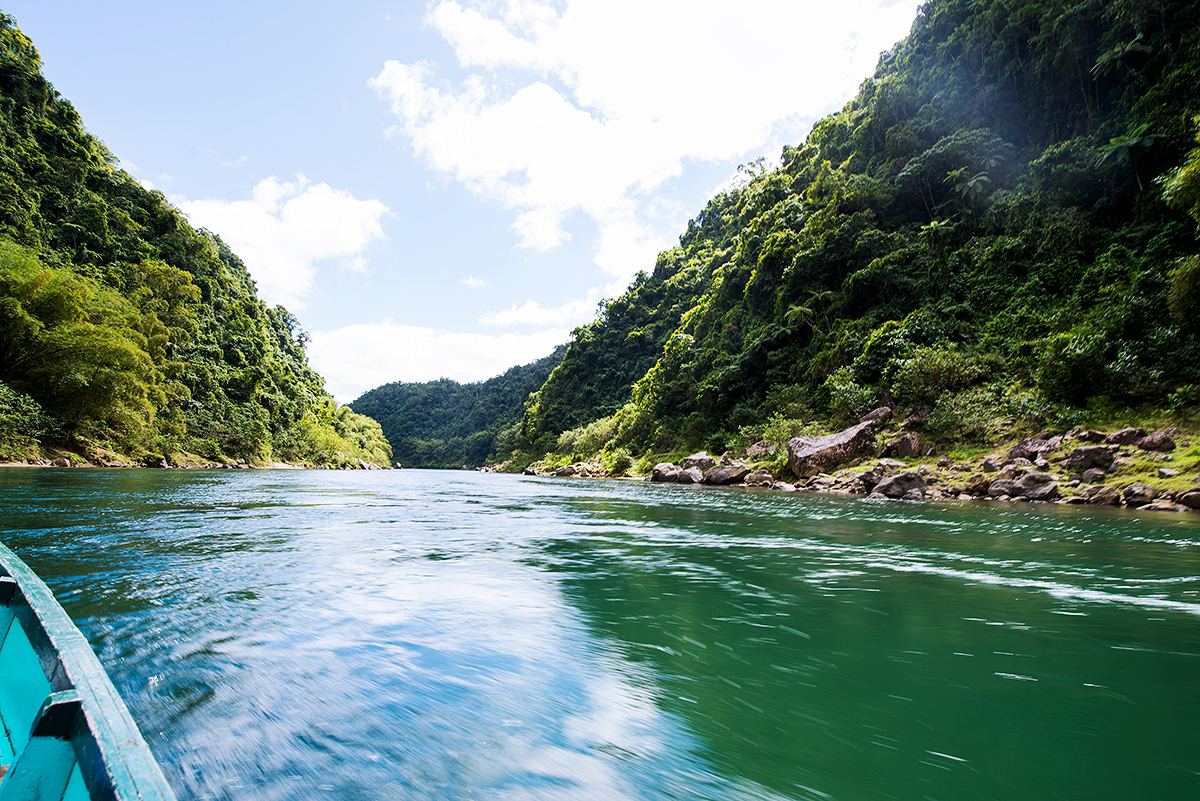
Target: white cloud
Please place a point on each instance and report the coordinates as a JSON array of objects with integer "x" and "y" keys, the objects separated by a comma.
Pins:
[
  {"x": 568, "y": 315},
  {"x": 286, "y": 229},
  {"x": 473, "y": 282},
  {"x": 361, "y": 357},
  {"x": 592, "y": 108}
]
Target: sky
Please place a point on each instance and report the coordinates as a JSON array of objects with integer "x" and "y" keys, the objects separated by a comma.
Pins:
[{"x": 447, "y": 188}]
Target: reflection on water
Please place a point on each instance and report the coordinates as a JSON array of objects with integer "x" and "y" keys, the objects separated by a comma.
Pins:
[{"x": 451, "y": 635}]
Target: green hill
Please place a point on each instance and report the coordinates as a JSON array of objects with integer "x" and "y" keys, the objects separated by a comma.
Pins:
[
  {"x": 447, "y": 424},
  {"x": 122, "y": 328},
  {"x": 982, "y": 234}
]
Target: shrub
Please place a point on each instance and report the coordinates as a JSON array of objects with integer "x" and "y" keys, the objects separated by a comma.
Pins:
[
  {"x": 587, "y": 440},
  {"x": 848, "y": 399},
  {"x": 23, "y": 423},
  {"x": 964, "y": 414},
  {"x": 924, "y": 376},
  {"x": 617, "y": 462}
]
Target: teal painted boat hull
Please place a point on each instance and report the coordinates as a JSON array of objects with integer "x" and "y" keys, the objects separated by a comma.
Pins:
[{"x": 65, "y": 733}]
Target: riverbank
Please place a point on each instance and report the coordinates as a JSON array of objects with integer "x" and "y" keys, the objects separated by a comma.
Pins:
[{"x": 1133, "y": 467}]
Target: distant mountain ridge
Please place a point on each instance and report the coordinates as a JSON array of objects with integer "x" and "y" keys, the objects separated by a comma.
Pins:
[{"x": 446, "y": 424}]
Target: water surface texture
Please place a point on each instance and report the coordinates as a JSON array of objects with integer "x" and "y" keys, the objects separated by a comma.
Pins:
[{"x": 442, "y": 635}]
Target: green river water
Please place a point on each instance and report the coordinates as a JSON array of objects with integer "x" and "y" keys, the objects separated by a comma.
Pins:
[{"x": 442, "y": 635}]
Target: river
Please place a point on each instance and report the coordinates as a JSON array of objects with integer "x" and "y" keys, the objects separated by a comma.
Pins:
[{"x": 443, "y": 635}]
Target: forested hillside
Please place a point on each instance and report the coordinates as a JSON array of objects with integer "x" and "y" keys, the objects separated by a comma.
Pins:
[
  {"x": 447, "y": 424},
  {"x": 123, "y": 330},
  {"x": 996, "y": 228}
]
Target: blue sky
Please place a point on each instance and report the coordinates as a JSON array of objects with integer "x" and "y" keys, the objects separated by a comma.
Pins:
[{"x": 447, "y": 188}]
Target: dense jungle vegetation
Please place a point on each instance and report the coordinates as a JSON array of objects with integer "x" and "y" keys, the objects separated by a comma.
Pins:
[
  {"x": 123, "y": 330},
  {"x": 1000, "y": 227},
  {"x": 447, "y": 424},
  {"x": 1002, "y": 224}
]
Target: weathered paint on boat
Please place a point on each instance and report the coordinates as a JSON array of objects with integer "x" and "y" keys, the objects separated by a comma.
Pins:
[{"x": 65, "y": 733}]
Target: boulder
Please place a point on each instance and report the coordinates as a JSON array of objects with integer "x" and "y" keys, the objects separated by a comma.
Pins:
[
  {"x": 877, "y": 415},
  {"x": 1103, "y": 496},
  {"x": 1002, "y": 487},
  {"x": 1191, "y": 499},
  {"x": 565, "y": 471},
  {"x": 665, "y": 472},
  {"x": 701, "y": 460},
  {"x": 1166, "y": 472},
  {"x": 61, "y": 461},
  {"x": 783, "y": 486},
  {"x": 1158, "y": 441},
  {"x": 915, "y": 494},
  {"x": 990, "y": 465},
  {"x": 528, "y": 471},
  {"x": 870, "y": 478},
  {"x": 692, "y": 475},
  {"x": 1093, "y": 475},
  {"x": 1012, "y": 472},
  {"x": 1139, "y": 494},
  {"x": 760, "y": 478},
  {"x": 1089, "y": 456},
  {"x": 1088, "y": 435},
  {"x": 1163, "y": 505},
  {"x": 906, "y": 447},
  {"x": 1125, "y": 436},
  {"x": 726, "y": 474},
  {"x": 761, "y": 448},
  {"x": 808, "y": 456},
  {"x": 1029, "y": 449},
  {"x": 900, "y": 485},
  {"x": 1038, "y": 487},
  {"x": 978, "y": 484}
]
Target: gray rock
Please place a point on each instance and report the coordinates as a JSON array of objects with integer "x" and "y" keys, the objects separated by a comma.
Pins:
[
  {"x": 978, "y": 484},
  {"x": 1163, "y": 505},
  {"x": 565, "y": 471},
  {"x": 914, "y": 494},
  {"x": 808, "y": 456},
  {"x": 1139, "y": 494},
  {"x": 761, "y": 448},
  {"x": 1166, "y": 472},
  {"x": 1158, "y": 441},
  {"x": 870, "y": 478},
  {"x": 701, "y": 460},
  {"x": 1012, "y": 472},
  {"x": 898, "y": 486},
  {"x": 906, "y": 447},
  {"x": 1191, "y": 498},
  {"x": 760, "y": 478},
  {"x": 783, "y": 486},
  {"x": 1093, "y": 475},
  {"x": 1089, "y": 456},
  {"x": 877, "y": 415},
  {"x": 665, "y": 472},
  {"x": 1030, "y": 449},
  {"x": 690, "y": 476},
  {"x": 1038, "y": 487},
  {"x": 726, "y": 474},
  {"x": 990, "y": 465},
  {"x": 1103, "y": 496},
  {"x": 1087, "y": 435},
  {"x": 1125, "y": 436},
  {"x": 1002, "y": 487}
]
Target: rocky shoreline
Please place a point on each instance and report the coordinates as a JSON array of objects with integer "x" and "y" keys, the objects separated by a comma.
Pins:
[{"x": 1081, "y": 466}]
